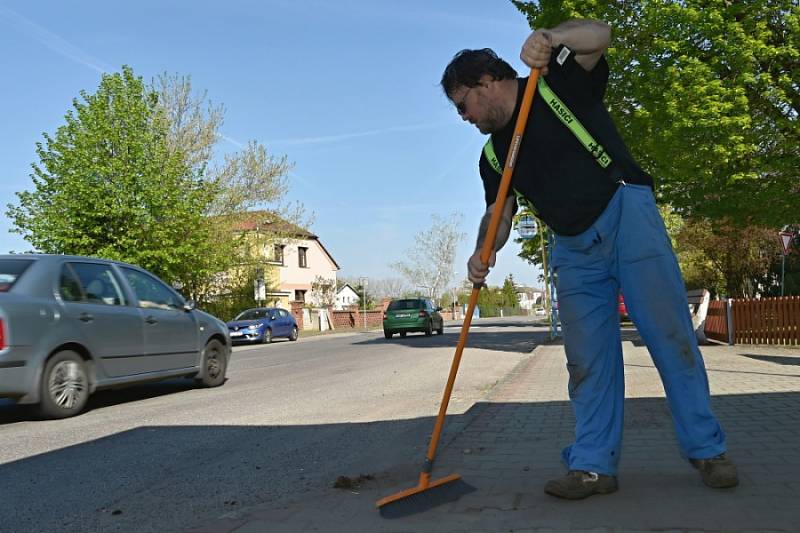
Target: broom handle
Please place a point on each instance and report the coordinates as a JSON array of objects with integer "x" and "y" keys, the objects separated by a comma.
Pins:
[{"x": 486, "y": 251}]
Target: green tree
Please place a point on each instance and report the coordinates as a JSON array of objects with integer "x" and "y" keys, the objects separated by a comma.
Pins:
[
  {"x": 245, "y": 180},
  {"x": 509, "y": 293},
  {"x": 791, "y": 267},
  {"x": 728, "y": 259},
  {"x": 531, "y": 248},
  {"x": 194, "y": 120},
  {"x": 366, "y": 300},
  {"x": 107, "y": 185},
  {"x": 490, "y": 300},
  {"x": 706, "y": 94}
]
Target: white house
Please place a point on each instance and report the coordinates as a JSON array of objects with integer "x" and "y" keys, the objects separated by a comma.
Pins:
[
  {"x": 529, "y": 298},
  {"x": 345, "y": 297}
]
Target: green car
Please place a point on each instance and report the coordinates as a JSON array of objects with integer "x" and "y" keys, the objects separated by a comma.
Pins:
[{"x": 412, "y": 314}]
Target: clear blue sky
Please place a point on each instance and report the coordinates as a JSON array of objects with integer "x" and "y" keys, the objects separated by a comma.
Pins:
[{"x": 347, "y": 90}]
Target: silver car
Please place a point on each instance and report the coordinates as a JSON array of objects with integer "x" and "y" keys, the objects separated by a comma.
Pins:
[{"x": 71, "y": 325}]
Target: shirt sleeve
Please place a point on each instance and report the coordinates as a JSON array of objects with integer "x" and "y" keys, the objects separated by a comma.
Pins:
[
  {"x": 599, "y": 78},
  {"x": 592, "y": 83}
]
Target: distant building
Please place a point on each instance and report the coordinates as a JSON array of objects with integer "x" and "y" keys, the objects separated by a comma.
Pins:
[
  {"x": 529, "y": 298},
  {"x": 295, "y": 257},
  {"x": 345, "y": 297}
]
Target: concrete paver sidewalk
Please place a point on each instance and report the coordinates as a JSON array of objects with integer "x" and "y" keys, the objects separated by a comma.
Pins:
[{"x": 511, "y": 442}]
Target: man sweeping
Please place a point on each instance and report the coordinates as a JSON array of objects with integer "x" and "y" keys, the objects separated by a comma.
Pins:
[{"x": 575, "y": 172}]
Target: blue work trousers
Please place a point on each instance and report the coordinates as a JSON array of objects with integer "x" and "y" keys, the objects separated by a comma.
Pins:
[{"x": 628, "y": 249}]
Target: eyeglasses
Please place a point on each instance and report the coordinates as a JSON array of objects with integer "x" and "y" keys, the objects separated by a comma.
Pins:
[{"x": 461, "y": 107}]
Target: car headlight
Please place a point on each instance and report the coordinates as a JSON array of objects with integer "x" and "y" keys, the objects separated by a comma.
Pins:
[{"x": 253, "y": 326}]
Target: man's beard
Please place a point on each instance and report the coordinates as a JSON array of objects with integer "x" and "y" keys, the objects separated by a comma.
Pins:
[{"x": 494, "y": 122}]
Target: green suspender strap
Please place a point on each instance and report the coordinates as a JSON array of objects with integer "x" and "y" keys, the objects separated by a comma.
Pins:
[
  {"x": 571, "y": 121},
  {"x": 491, "y": 157}
]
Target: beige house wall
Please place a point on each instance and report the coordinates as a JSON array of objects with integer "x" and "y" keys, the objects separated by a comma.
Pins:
[
  {"x": 284, "y": 277},
  {"x": 293, "y": 277}
]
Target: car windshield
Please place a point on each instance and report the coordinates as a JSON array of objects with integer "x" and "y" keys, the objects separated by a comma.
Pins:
[
  {"x": 10, "y": 271},
  {"x": 254, "y": 314},
  {"x": 398, "y": 305}
]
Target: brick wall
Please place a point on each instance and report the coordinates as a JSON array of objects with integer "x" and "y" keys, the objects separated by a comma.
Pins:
[
  {"x": 354, "y": 318},
  {"x": 297, "y": 313},
  {"x": 343, "y": 319},
  {"x": 351, "y": 318}
]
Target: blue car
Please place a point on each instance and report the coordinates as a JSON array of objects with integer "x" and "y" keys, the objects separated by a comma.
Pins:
[{"x": 262, "y": 324}]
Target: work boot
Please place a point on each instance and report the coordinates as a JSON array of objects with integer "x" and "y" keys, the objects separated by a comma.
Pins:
[
  {"x": 579, "y": 484},
  {"x": 717, "y": 472}
]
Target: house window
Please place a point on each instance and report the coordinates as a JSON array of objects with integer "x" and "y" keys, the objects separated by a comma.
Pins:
[
  {"x": 301, "y": 255},
  {"x": 278, "y": 253},
  {"x": 300, "y": 296}
]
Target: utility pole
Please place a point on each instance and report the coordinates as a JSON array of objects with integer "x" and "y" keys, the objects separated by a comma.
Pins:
[
  {"x": 540, "y": 230},
  {"x": 455, "y": 292},
  {"x": 363, "y": 282},
  {"x": 786, "y": 235}
]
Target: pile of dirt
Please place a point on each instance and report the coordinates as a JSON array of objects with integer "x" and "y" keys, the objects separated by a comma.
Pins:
[{"x": 344, "y": 482}]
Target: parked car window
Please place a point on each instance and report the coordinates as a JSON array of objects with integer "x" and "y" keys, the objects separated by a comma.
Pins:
[
  {"x": 98, "y": 283},
  {"x": 69, "y": 286},
  {"x": 151, "y": 292},
  {"x": 10, "y": 271},
  {"x": 282, "y": 313}
]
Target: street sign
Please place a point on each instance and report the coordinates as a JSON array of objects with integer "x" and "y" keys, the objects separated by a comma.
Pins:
[
  {"x": 786, "y": 240},
  {"x": 260, "y": 290}
]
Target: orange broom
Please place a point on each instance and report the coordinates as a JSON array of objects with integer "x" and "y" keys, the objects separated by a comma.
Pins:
[{"x": 422, "y": 497}]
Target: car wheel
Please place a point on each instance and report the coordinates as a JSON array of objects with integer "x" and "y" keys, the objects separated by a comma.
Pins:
[
  {"x": 64, "y": 386},
  {"x": 440, "y": 331},
  {"x": 294, "y": 334},
  {"x": 387, "y": 334},
  {"x": 402, "y": 333},
  {"x": 267, "y": 337},
  {"x": 429, "y": 328},
  {"x": 215, "y": 364}
]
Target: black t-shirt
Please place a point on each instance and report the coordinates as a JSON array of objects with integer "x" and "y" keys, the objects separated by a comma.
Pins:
[{"x": 553, "y": 169}]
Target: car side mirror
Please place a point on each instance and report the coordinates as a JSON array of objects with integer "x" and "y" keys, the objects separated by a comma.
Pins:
[
  {"x": 272, "y": 317},
  {"x": 438, "y": 309},
  {"x": 189, "y": 305}
]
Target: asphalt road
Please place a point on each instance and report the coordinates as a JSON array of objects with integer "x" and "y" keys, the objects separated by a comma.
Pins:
[{"x": 292, "y": 418}]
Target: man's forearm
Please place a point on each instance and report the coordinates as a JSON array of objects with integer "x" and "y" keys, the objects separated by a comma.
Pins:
[
  {"x": 584, "y": 36},
  {"x": 503, "y": 229}
]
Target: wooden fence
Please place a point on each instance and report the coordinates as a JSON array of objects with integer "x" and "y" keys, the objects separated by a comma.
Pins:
[
  {"x": 766, "y": 321},
  {"x": 716, "y": 326}
]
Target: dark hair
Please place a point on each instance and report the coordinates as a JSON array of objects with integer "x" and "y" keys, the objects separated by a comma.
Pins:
[{"x": 467, "y": 67}]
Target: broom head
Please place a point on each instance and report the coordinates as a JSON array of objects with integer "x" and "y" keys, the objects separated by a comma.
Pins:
[{"x": 423, "y": 497}]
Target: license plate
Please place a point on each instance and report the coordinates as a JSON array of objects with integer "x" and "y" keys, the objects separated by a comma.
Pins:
[
  {"x": 236, "y": 333},
  {"x": 402, "y": 315}
]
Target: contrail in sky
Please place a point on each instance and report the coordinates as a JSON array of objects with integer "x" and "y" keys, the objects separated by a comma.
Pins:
[
  {"x": 231, "y": 140},
  {"x": 51, "y": 40},
  {"x": 355, "y": 135},
  {"x": 466, "y": 148}
]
